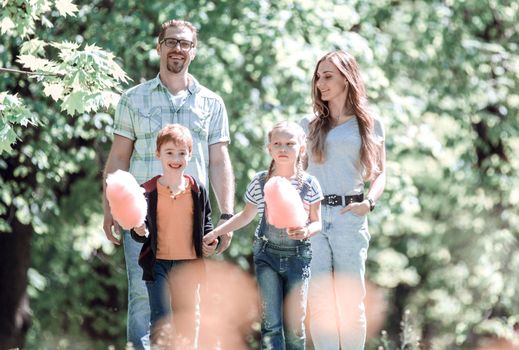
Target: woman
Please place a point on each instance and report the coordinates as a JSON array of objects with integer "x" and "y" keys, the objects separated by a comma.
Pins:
[{"x": 346, "y": 149}]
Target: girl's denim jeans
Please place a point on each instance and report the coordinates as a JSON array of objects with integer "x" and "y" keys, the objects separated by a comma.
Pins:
[{"x": 283, "y": 273}]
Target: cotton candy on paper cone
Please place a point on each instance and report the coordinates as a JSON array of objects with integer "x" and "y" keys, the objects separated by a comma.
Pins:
[
  {"x": 126, "y": 198},
  {"x": 283, "y": 204}
]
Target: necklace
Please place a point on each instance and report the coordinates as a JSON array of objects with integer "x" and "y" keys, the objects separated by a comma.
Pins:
[{"x": 181, "y": 188}]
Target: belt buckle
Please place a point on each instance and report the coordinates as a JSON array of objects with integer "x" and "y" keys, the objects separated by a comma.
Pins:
[{"x": 334, "y": 200}]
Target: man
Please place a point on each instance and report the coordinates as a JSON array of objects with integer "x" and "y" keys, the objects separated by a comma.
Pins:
[{"x": 173, "y": 96}]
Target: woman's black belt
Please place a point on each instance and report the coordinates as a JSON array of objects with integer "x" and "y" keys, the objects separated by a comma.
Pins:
[{"x": 334, "y": 200}]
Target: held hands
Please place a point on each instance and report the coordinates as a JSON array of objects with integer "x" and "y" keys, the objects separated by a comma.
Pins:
[
  {"x": 298, "y": 233},
  {"x": 209, "y": 245},
  {"x": 211, "y": 237},
  {"x": 226, "y": 242},
  {"x": 225, "y": 239},
  {"x": 359, "y": 209}
]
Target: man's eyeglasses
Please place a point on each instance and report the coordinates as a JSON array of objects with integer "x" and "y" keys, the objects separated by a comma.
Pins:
[{"x": 185, "y": 45}]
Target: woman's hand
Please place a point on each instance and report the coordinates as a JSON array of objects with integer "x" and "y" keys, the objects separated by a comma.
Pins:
[
  {"x": 359, "y": 209},
  {"x": 141, "y": 230},
  {"x": 297, "y": 233}
]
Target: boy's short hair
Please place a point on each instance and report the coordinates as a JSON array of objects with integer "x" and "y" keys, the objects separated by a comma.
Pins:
[{"x": 177, "y": 134}]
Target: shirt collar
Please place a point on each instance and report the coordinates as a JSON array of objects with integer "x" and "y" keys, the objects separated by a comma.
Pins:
[{"x": 193, "y": 87}]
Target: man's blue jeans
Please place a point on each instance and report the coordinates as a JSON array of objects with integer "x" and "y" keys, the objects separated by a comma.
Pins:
[
  {"x": 138, "y": 323},
  {"x": 283, "y": 274}
]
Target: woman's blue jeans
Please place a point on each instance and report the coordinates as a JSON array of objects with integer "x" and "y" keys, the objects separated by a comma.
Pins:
[
  {"x": 337, "y": 289},
  {"x": 283, "y": 274}
]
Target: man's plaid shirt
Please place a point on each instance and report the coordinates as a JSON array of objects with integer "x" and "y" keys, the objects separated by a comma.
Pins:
[{"x": 144, "y": 109}]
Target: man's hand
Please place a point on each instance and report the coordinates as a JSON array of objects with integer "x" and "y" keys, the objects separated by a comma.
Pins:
[
  {"x": 119, "y": 158},
  {"x": 222, "y": 182},
  {"x": 108, "y": 223},
  {"x": 225, "y": 240},
  {"x": 209, "y": 248}
]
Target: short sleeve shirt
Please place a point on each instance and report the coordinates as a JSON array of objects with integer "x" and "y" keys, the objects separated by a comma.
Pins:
[
  {"x": 341, "y": 173},
  {"x": 254, "y": 193},
  {"x": 146, "y": 108}
]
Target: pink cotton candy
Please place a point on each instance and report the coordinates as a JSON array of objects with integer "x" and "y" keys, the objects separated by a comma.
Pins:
[
  {"x": 283, "y": 204},
  {"x": 126, "y": 199}
]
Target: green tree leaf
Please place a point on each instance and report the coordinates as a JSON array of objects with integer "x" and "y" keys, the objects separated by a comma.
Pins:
[
  {"x": 74, "y": 102},
  {"x": 66, "y": 7}
]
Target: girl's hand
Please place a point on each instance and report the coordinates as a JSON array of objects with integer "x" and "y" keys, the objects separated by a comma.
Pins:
[
  {"x": 209, "y": 248},
  {"x": 297, "y": 233},
  {"x": 211, "y": 237},
  {"x": 141, "y": 230},
  {"x": 359, "y": 209}
]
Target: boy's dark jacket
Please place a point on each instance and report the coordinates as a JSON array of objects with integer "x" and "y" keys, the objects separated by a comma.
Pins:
[{"x": 202, "y": 223}]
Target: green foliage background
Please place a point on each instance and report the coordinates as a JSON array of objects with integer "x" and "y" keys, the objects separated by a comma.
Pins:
[{"x": 443, "y": 76}]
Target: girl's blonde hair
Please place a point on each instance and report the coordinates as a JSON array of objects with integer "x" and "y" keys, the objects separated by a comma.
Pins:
[
  {"x": 299, "y": 133},
  {"x": 323, "y": 122}
]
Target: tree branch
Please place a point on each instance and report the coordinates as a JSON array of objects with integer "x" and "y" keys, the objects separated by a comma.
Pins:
[{"x": 8, "y": 70}]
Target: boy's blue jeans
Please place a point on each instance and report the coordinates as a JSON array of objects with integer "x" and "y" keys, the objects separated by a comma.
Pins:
[
  {"x": 138, "y": 324},
  {"x": 174, "y": 295},
  {"x": 158, "y": 292},
  {"x": 283, "y": 274}
]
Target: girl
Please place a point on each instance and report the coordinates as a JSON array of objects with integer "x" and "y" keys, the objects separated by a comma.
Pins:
[
  {"x": 346, "y": 149},
  {"x": 281, "y": 257}
]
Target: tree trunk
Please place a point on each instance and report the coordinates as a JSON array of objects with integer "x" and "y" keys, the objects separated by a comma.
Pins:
[{"x": 15, "y": 259}]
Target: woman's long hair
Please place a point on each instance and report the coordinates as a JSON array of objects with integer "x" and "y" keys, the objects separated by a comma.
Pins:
[{"x": 356, "y": 101}]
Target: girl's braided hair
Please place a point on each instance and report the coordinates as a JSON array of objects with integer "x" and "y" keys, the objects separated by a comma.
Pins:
[{"x": 299, "y": 133}]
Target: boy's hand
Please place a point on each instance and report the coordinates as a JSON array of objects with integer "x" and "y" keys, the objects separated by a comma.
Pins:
[
  {"x": 141, "y": 230},
  {"x": 209, "y": 247},
  {"x": 298, "y": 233}
]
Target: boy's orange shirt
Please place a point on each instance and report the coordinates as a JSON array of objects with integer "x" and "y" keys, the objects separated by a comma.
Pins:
[{"x": 175, "y": 224}]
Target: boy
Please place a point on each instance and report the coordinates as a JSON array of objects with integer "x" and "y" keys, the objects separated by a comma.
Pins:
[{"x": 179, "y": 215}]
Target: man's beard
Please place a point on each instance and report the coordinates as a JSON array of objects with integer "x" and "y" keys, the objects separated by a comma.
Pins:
[{"x": 175, "y": 66}]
